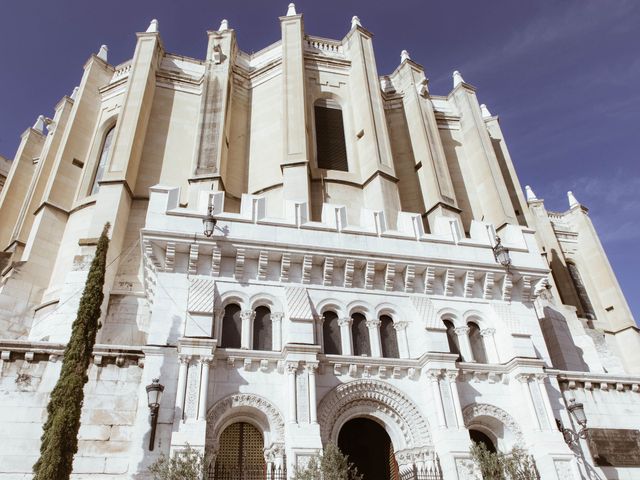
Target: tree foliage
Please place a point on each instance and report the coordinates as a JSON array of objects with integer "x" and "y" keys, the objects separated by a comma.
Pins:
[
  {"x": 331, "y": 465},
  {"x": 189, "y": 464},
  {"x": 60, "y": 431},
  {"x": 515, "y": 465}
]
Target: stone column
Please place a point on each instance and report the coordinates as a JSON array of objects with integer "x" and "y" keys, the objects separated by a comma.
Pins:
[
  {"x": 313, "y": 403},
  {"x": 218, "y": 317},
  {"x": 526, "y": 392},
  {"x": 374, "y": 337},
  {"x": 345, "y": 335},
  {"x": 434, "y": 379},
  {"x": 205, "y": 363},
  {"x": 319, "y": 332},
  {"x": 545, "y": 400},
  {"x": 489, "y": 342},
  {"x": 463, "y": 342},
  {"x": 276, "y": 331},
  {"x": 182, "y": 385},
  {"x": 455, "y": 397},
  {"x": 292, "y": 368},
  {"x": 403, "y": 340},
  {"x": 247, "y": 317}
]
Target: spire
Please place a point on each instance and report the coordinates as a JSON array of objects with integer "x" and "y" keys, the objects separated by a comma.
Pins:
[
  {"x": 572, "y": 200},
  {"x": 355, "y": 22},
  {"x": 74, "y": 94},
  {"x": 39, "y": 125},
  {"x": 485, "y": 111},
  {"x": 224, "y": 25},
  {"x": 531, "y": 196},
  {"x": 457, "y": 79},
  {"x": 404, "y": 55},
  {"x": 291, "y": 11},
  {"x": 153, "y": 26},
  {"x": 102, "y": 54}
]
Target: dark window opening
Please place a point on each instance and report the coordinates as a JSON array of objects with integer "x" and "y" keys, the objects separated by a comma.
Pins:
[
  {"x": 102, "y": 163},
  {"x": 331, "y": 334},
  {"x": 262, "y": 329},
  {"x": 231, "y": 327},
  {"x": 452, "y": 338},
  {"x": 331, "y": 150},
  {"x": 477, "y": 343},
  {"x": 581, "y": 290},
  {"x": 388, "y": 337},
  {"x": 479, "y": 437},
  {"x": 369, "y": 447},
  {"x": 360, "y": 333}
]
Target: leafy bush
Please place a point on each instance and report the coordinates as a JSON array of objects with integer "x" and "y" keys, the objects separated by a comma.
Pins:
[
  {"x": 189, "y": 464},
  {"x": 515, "y": 465},
  {"x": 331, "y": 465}
]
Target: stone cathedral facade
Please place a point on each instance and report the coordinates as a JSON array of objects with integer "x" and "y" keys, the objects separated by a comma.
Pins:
[{"x": 350, "y": 291}]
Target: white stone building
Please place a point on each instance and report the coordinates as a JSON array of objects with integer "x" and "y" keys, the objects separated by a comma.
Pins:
[{"x": 348, "y": 293}]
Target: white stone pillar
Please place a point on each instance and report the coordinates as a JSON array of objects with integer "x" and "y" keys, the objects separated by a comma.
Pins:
[
  {"x": 205, "y": 363},
  {"x": 403, "y": 340},
  {"x": 247, "y": 317},
  {"x": 182, "y": 385},
  {"x": 276, "y": 331},
  {"x": 489, "y": 342},
  {"x": 218, "y": 317},
  {"x": 434, "y": 379},
  {"x": 345, "y": 335},
  {"x": 292, "y": 368},
  {"x": 313, "y": 402},
  {"x": 457, "y": 408},
  {"x": 319, "y": 331},
  {"x": 526, "y": 393},
  {"x": 374, "y": 337},
  {"x": 463, "y": 341},
  {"x": 545, "y": 400}
]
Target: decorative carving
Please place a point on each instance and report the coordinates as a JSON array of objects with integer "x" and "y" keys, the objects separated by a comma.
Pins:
[
  {"x": 345, "y": 322},
  {"x": 170, "y": 257},
  {"x": 193, "y": 389},
  {"x": 193, "y": 259},
  {"x": 461, "y": 331},
  {"x": 487, "y": 332},
  {"x": 375, "y": 395},
  {"x": 563, "y": 469},
  {"x": 348, "y": 273},
  {"x": 239, "y": 268},
  {"x": 285, "y": 265},
  {"x": 526, "y": 287},
  {"x": 389, "y": 276},
  {"x": 216, "y": 260},
  {"x": 373, "y": 323},
  {"x": 467, "y": 469},
  {"x": 241, "y": 402},
  {"x": 409, "y": 278},
  {"x": 327, "y": 272},
  {"x": 369, "y": 273},
  {"x": 400, "y": 325},
  {"x": 263, "y": 263},
  {"x": 429, "y": 279},
  {"x": 449, "y": 281},
  {"x": 469, "y": 281},
  {"x": 487, "y": 287},
  {"x": 507, "y": 285},
  {"x": 307, "y": 264},
  {"x": 472, "y": 413}
]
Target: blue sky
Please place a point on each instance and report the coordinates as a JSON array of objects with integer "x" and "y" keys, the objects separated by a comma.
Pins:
[{"x": 562, "y": 76}]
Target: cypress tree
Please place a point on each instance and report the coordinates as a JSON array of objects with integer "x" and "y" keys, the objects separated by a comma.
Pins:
[{"x": 60, "y": 431}]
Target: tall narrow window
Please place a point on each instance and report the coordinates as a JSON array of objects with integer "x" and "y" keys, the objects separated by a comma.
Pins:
[
  {"x": 388, "y": 337},
  {"x": 360, "y": 334},
  {"x": 231, "y": 327},
  {"x": 331, "y": 151},
  {"x": 262, "y": 330},
  {"x": 452, "y": 338},
  {"x": 102, "y": 163},
  {"x": 331, "y": 334},
  {"x": 581, "y": 290},
  {"x": 477, "y": 343}
]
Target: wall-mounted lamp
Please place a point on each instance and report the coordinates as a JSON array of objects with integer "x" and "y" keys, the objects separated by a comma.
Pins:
[
  {"x": 209, "y": 222},
  {"x": 154, "y": 395},
  {"x": 577, "y": 411},
  {"x": 501, "y": 254}
]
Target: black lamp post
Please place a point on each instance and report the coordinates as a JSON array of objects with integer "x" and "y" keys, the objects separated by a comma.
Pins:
[
  {"x": 154, "y": 395},
  {"x": 577, "y": 411},
  {"x": 501, "y": 254},
  {"x": 209, "y": 222}
]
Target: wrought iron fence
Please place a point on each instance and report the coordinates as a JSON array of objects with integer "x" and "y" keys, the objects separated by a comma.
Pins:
[
  {"x": 219, "y": 472},
  {"x": 421, "y": 474}
]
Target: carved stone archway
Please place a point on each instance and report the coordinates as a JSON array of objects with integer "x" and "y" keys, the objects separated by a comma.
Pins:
[
  {"x": 473, "y": 414},
  {"x": 376, "y": 399}
]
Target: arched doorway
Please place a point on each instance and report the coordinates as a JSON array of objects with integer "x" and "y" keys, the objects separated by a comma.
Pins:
[
  {"x": 369, "y": 448},
  {"x": 241, "y": 454},
  {"x": 480, "y": 437}
]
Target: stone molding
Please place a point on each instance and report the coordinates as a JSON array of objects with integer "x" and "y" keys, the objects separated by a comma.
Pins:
[
  {"x": 472, "y": 412},
  {"x": 382, "y": 397}
]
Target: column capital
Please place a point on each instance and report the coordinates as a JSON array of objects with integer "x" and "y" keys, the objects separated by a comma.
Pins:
[
  {"x": 373, "y": 323},
  {"x": 345, "y": 321},
  {"x": 524, "y": 377},
  {"x": 184, "y": 358},
  {"x": 312, "y": 367},
  {"x": 277, "y": 316},
  {"x": 207, "y": 360},
  {"x": 292, "y": 367},
  {"x": 400, "y": 325},
  {"x": 433, "y": 375},
  {"x": 247, "y": 315},
  {"x": 460, "y": 331},
  {"x": 452, "y": 375},
  {"x": 487, "y": 332}
]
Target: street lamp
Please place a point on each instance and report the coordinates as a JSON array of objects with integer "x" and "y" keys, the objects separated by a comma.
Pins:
[
  {"x": 577, "y": 410},
  {"x": 209, "y": 221},
  {"x": 154, "y": 395},
  {"x": 501, "y": 254}
]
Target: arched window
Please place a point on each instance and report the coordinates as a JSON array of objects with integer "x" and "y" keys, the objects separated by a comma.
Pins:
[
  {"x": 581, "y": 290},
  {"x": 388, "y": 337},
  {"x": 360, "y": 334},
  {"x": 331, "y": 150},
  {"x": 262, "y": 330},
  {"x": 477, "y": 343},
  {"x": 480, "y": 437},
  {"x": 331, "y": 334},
  {"x": 102, "y": 163},
  {"x": 231, "y": 327},
  {"x": 452, "y": 338}
]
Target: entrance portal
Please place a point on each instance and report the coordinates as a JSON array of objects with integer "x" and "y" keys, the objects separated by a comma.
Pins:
[
  {"x": 369, "y": 448},
  {"x": 241, "y": 454}
]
